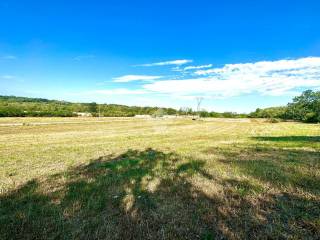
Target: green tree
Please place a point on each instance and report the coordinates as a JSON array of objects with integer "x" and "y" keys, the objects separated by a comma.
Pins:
[
  {"x": 93, "y": 107},
  {"x": 305, "y": 107}
]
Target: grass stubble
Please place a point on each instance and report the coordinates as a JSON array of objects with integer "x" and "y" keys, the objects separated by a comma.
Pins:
[{"x": 158, "y": 179}]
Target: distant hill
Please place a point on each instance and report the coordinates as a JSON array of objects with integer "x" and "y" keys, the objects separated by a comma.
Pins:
[
  {"x": 12, "y": 106},
  {"x": 24, "y": 106}
]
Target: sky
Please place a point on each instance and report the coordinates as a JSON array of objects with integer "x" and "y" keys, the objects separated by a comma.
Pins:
[{"x": 236, "y": 55}]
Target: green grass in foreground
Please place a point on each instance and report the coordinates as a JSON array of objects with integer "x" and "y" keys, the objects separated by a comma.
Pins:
[{"x": 159, "y": 179}]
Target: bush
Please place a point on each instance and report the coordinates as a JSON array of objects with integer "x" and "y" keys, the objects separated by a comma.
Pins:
[
  {"x": 159, "y": 113},
  {"x": 273, "y": 120}
]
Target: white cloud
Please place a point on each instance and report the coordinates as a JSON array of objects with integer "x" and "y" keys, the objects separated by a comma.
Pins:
[
  {"x": 266, "y": 78},
  {"x": 177, "y": 69},
  {"x": 165, "y": 63},
  {"x": 9, "y": 57},
  {"x": 197, "y": 67},
  {"x": 130, "y": 78},
  {"x": 265, "y": 67},
  {"x": 273, "y": 78},
  {"x": 7, "y": 77}
]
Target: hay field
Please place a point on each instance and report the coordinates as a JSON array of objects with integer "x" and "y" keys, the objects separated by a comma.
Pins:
[{"x": 127, "y": 178}]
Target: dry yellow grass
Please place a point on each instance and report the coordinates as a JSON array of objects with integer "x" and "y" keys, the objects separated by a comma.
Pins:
[{"x": 126, "y": 178}]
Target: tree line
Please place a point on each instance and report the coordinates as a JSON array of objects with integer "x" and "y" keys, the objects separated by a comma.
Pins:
[
  {"x": 305, "y": 107},
  {"x": 12, "y": 106}
]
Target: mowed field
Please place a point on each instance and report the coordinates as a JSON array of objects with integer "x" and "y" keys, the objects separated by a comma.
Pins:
[{"x": 128, "y": 178}]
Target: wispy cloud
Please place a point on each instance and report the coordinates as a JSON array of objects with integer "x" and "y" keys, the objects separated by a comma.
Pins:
[
  {"x": 84, "y": 57},
  {"x": 131, "y": 78},
  {"x": 197, "y": 67},
  {"x": 165, "y": 63},
  {"x": 265, "y": 78},
  {"x": 9, "y": 57},
  {"x": 273, "y": 78},
  {"x": 8, "y": 77}
]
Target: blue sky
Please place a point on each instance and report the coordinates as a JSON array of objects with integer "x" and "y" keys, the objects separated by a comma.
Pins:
[{"x": 238, "y": 55}]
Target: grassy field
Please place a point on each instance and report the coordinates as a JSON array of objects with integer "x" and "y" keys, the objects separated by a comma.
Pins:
[{"x": 132, "y": 178}]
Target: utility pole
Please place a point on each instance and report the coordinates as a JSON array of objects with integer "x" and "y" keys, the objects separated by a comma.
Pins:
[{"x": 199, "y": 100}]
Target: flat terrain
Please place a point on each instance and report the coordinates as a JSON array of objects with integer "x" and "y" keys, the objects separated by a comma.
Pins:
[{"x": 127, "y": 178}]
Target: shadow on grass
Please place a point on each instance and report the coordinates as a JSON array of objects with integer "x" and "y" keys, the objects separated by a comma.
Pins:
[
  {"x": 286, "y": 168},
  {"x": 151, "y": 195},
  {"x": 290, "y": 139}
]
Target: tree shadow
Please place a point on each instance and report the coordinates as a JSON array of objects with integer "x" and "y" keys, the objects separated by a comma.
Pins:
[
  {"x": 150, "y": 195},
  {"x": 278, "y": 167},
  {"x": 289, "y": 139}
]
